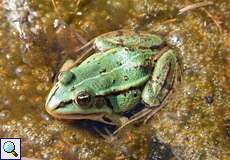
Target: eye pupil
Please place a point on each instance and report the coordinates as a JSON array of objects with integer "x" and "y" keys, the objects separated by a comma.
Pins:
[{"x": 83, "y": 99}]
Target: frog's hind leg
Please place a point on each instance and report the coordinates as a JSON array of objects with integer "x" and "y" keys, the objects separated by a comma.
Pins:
[
  {"x": 158, "y": 89},
  {"x": 160, "y": 86},
  {"x": 118, "y": 38},
  {"x": 161, "y": 82},
  {"x": 128, "y": 39},
  {"x": 98, "y": 44}
]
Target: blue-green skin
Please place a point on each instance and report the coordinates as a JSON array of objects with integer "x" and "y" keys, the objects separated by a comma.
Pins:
[{"x": 127, "y": 68}]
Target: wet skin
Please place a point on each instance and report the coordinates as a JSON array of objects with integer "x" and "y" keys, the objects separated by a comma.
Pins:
[{"x": 120, "y": 69}]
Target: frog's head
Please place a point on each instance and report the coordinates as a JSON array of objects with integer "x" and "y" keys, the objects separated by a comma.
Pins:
[{"x": 67, "y": 100}]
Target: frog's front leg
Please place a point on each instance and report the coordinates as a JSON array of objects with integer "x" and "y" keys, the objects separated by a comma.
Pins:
[{"x": 123, "y": 102}]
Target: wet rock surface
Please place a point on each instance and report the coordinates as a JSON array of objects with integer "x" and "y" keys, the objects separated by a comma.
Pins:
[
  {"x": 195, "y": 122},
  {"x": 160, "y": 150}
]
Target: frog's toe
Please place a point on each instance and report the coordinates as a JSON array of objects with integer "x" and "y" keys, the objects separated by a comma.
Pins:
[{"x": 107, "y": 134}]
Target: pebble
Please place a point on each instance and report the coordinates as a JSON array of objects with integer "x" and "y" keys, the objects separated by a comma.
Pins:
[
  {"x": 209, "y": 99},
  {"x": 4, "y": 114},
  {"x": 175, "y": 39}
]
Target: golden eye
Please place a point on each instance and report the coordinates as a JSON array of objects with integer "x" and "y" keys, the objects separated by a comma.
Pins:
[{"x": 84, "y": 99}]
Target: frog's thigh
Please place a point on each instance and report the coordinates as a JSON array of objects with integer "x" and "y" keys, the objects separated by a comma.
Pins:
[
  {"x": 158, "y": 87},
  {"x": 125, "y": 101},
  {"x": 130, "y": 39},
  {"x": 103, "y": 44}
]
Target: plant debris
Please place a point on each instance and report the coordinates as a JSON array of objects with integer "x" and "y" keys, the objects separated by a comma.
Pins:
[
  {"x": 214, "y": 19},
  {"x": 194, "y": 6},
  {"x": 228, "y": 43}
]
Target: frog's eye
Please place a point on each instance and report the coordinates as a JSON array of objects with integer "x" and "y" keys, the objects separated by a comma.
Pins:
[
  {"x": 84, "y": 99},
  {"x": 65, "y": 77}
]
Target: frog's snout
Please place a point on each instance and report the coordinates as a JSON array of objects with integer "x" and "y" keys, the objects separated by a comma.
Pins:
[{"x": 52, "y": 104}]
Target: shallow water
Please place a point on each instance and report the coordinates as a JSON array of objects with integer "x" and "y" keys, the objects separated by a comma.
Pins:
[{"x": 195, "y": 123}]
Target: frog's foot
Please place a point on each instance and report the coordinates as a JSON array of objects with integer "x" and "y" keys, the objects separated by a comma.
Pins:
[
  {"x": 142, "y": 116},
  {"x": 154, "y": 110},
  {"x": 108, "y": 135},
  {"x": 124, "y": 121},
  {"x": 147, "y": 113}
]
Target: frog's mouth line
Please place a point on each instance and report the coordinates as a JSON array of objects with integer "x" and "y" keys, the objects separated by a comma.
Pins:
[{"x": 100, "y": 117}]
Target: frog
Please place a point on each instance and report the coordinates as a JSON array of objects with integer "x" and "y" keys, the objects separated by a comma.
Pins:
[{"x": 117, "y": 70}]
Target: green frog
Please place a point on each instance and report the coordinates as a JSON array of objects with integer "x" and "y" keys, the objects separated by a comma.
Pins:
[{"x": 117, "y": 70}]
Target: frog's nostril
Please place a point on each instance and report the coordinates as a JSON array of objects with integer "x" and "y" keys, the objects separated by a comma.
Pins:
[
  {"x": 65, "y": 77},
  {"x": 61, "y": 105}
]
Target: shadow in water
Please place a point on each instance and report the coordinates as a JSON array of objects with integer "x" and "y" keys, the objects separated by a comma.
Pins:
[{"x": 105, "y": 129}]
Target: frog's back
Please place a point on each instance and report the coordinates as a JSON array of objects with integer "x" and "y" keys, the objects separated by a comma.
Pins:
[{"x": 115, "y": 70}]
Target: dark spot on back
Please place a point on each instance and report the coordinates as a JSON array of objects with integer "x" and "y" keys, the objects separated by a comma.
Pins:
[
  {"x": 135, "y": 94},
  {"x": 119, "y": 63},
  {"x": 126, "y": 78},
  {"x": 147, "y": 59},
  {"x": 127, "y": 49},
  {"x": 153, "y": 47},
  {"x": 136, "y": 66},
  {"x": 102, "y": 71},
  {"x": 142, "y": 66},
  {"x": 131, "y": 49}
]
